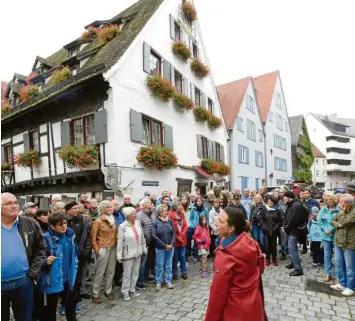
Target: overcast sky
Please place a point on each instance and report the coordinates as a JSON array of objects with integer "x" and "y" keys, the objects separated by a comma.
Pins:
[{"x": 311, "y": 42}]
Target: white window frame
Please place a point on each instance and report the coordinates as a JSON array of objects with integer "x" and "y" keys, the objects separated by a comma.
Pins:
[
  {"x": 317, "y": 161},
  {"x": 244, "y": 155},
  {"x": 317, "y": 172},
  {"x": 279, "y": 121},
  {"x": 259, "y": 160},
  {"x": 251, "y": 128},
  {"x": 271, "y": 116},
  {"x": 240, "y": 121},
  {"x": 250, "y": 104},
  {"x": 278, "y": 100},
  {"x": 261, "y": 136}
]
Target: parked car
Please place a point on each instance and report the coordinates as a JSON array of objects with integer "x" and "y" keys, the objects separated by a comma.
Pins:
[
  {"x": 297, "y": 187},
  {"x": 339, "y": 191}
]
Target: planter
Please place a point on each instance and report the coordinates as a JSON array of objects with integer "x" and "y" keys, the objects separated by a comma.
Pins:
[
  {"x": 89, "y": 33},
  {"x": 28, "y": 159},
  {"x": 28, "y": 92},
  {"x": 157, "y": 157},
  {"x": 182, "y": 103},
  {"x": 6, "y": 168},
  {"x": 214, "y": 122},
  {"x": 60, "y": 75},
  {"x": 161, "y": 87},
  {"x": 201, "y": 114},
  {"x": 5, "y": 108},
  {"x": 199, "y": 68},
  {"x": 79, "y": 156},
  {"x": 189, "y": 11},
  {"x": 182, "y": 50},
  {"x": 213, "y": 167},
  {"x": 108, "y": 33}
]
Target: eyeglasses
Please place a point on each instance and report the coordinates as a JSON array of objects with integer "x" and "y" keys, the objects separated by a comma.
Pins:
[
  {"x": 9, "y": 204},
  {"x": 62, "y": 224}
]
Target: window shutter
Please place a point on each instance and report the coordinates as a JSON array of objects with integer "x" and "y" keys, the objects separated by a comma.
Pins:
[
  {"x": 193, "y": 92},
  {"x": 262, "y": 159},
  {"x": 168, "y": 137},
  {"x": 146, "y": 57},
  {"x": 247, "y": 152},
  {"x": 210, "y": 149},
  {"x": 214, "y": 151},
  {"x": 239, "y": 153},
  {"x": 222, "y": 154},
  {"x": 2, "y": 154},
  {"x": 254, "y": 128},
  {"x": 172, "y": 27},
  {"x": 275, "y": 162},
  {"x": 167, "y": 70},
  {"x": 203, "y": 100},
  {"x": 100, "y": 123},
  {"x": 248, "y": 128},
  {"x": 275, "y": 141},
  {"x": 136, "y": 126},
  {"x": 65, "y": 133},
  {"x": 199, "y": 146},
  {"x": 185, "y": 87},
  {"x": 285, "y": 161},
  {"x": 256, "y": 158},
  {"x": 190, "y": 43},
  {"x": 172, "y": 75},
  {"x": 26, "y": 142}
]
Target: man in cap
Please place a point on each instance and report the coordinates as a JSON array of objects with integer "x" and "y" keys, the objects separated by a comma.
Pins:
[
  {"x": 29, "y": 209},
  {"x": 350, "y": 189},
  {"x": 236, "y": 203}
]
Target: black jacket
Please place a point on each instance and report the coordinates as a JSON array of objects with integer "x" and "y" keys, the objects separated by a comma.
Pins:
[
  {"x": 240, "y": 207},
  {"x": 256, "y": 211},
  {"x": 293, "y": 218},
  {"x": 81, "y": 226},
  {"x": 35, "y": 245},
  {"x": 270, "y": 221}
]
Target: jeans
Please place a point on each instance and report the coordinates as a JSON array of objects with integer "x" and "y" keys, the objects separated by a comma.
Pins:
[
  {"x": 179, "y": 256},
  {"x": 283, "y": 239},
  {"x": 258, "y": 234},
  {"x": 164, "y": 258},
  {"x": 345, "y": 267},
  {"x": 328, "y": 251},
  {"x": 18, "y": 293},
  {"x": 293, "y": 251},
  {"x": 190, "y": 236}
]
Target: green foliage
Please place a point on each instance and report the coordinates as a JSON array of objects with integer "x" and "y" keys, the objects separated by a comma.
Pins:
[
  {"x": 303, "y": 176},
  {"x": 60, "y": 75},
  {"x": 201, "y": 114}
]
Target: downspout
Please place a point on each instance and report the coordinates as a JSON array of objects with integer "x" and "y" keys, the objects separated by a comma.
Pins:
[
  {"x": 265, "y": 156},
  {"x": 229, "y": 146}
]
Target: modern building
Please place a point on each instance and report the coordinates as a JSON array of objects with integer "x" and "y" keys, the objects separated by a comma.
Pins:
[
  {"x": 106, "y": 103},
  {"x": 335, "y": 138},
  {"x": 247, "y": 138}
]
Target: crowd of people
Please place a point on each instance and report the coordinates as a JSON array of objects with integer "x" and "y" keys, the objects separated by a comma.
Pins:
[{"x": 154, "y": 240}]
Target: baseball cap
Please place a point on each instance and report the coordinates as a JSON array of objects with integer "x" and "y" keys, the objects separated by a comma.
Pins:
[
  {"x": 290, "y": 194},
  {"x": 28, "y": 205},
  {"x": 236, "y": 196}
]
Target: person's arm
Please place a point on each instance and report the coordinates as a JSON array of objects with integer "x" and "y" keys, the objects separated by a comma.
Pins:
[
  {"x": 159, "y": 243},
  {"x": 321, "y": 220},
  {"x": 143, "y": 242},
  {"x": 197, "y": 234},
  {"x": 335, "y": 221},
  {"x": 173, "y": 240},
  {"x": 94, "y": 230},
  {"x": 119, "y": 252},
  {"x": 296, "y": 217},
  {"x": 86, "y": 251},
  {"x": 38, "y": 253},
  {"x": 348, "y": 220}
]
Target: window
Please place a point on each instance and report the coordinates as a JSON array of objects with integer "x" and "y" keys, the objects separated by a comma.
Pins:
[
  {"x": 260, "y": 135},
  {"x": 324, "y": 161},
  {"x": 251, "y": 130},
  {"x": 155, "y": 64},
  {"x": 280, "y": 142},
  {"x": 329, "y": 174},
  {"x": 74, "y": 70},
  {"x": 280, "y": 164},
  {"x": 178, "y": 81},
  {"x": 210, "y": 105},
  {"x": 278, "y": 100},
  {"x": 243, "y": 154},
  {"x": 279, "y": 121},
  {"x": 152, "y": 132},
  {"x": 8, "y": 154},
  {"x": 73, "y": 52},
  {"x": 177, "y": 32},
  {"x": 271, "y": 116},
  {"x": 240, "y": 124},
  {"x": 197, "y": 97},
  {"x": 317, "y": 160},
  {"x": 204, "y": 147},
  {"x": 250, "y": 104},
  {"x": 34, "y": 140},
  {"x": 83, "y": 131},
  {"x": 317, "y": 172},
  {"x": 218, "y": 152},
  {"x": 194, "y": 51},
  {"x": 258, "y": 159}
]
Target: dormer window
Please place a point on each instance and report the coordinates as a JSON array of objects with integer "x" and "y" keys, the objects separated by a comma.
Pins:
[
  {"x": 38, "y": 71},
  {"x": 73, "y": 52},
  {"x": 74, "y": 70}
]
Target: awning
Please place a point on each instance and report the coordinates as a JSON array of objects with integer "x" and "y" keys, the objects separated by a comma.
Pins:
[{"x": 203, "y": 173}]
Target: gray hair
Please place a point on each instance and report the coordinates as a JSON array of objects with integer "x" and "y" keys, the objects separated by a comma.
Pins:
[
  {"x": 127, "y": 211},
  {"x": 60, "y": 205},
  {"x": 103, "y": 205},
  {"x": 144, "y": 201},
  {"x": 348, "y": 199},
  {"x": 175, "y": 205},
  {"x": 160, "y": 208}
]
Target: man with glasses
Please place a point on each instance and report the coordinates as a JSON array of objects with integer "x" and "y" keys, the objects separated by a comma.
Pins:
[{"x": 22, "y": 253}]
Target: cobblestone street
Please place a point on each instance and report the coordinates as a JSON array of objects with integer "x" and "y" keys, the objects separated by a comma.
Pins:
[{"x": 286, "y": 300}]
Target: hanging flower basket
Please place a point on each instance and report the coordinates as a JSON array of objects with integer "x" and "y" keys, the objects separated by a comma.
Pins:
[
  {"x": 89, "y": 33},
  {"x": 28, "y": 159},
  {"x": 79, "y": 156},
  {"x": 224, "y": 169},
  {"x": 182, "y": 50},
  {"x": 5, "y": 108},
  {"x": 161, "y": 87},
  {"x": 201, "y": 114},
  {"x": 189, "y": 11},
  {"x": 108, "y": 33},
  {"x": 182, "y": 103},
  {"x": 28, "y": 92},
  {"x": 213, "y": 167},
  {"x": 157, "y": 157},
  {"x": 60, "y": 75},
  {"x": 214, "y": 122},
  {"x": 6, "y": 169},
  {"x": 199, "y": 68}
]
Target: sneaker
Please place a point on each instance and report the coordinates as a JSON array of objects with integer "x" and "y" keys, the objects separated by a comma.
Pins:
[
  {"x": 314, "y": 265},
  {"x": 170, "y": 285},
  {"x": 126, "y": 297},
  {"x": 151, "y": 279},
  {"x": 77, "y": 309},
  {"x": 62, "y": 310},
  {"x": 283, "y": 257},
  {"x": 135, "y": 294},
  {"x": 296, "y": 273},
  {"x": 267, "y": 262},
  {"x": 274, "y": 263},
  {"x": 303, "y": 251},
  {"x": 175, "y": 277},
  {"x": 327, "y": 278},
  {"x": 158, "y": 286},
  {"x": 289, "y": 266},
  {"x": 110, "y": 296},
  {"x": 337, "y": 287},
  {"x": 348, "y": 292},
  {"x": 184, "y": 276},
  {"x": 96, "y": 300},
  {"x": 140, "y": 286}
]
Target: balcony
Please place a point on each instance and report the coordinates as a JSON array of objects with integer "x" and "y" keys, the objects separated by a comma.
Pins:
[
  {"x": 339, "y": 156},
  {"x": 337, "y": 144},
  {"x": 339, "y": 168}
]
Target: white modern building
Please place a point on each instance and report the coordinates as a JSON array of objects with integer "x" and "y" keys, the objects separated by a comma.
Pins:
[
  {"x": 247, "y": 138},
  {"x": 335, "y": 139},
  {"x": 319, "y": 172},
  {"x": 106, "y": 103}
]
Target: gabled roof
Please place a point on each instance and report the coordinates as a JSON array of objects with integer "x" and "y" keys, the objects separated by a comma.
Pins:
[
  {"x": 296, "y": 123},
  {"x": 316, "y": 152},
  {"x": 231, "y": 96},
  {"x": 3, "y": 90},
  {"x": 265, "y": 87},
  {"x": 328, "y": 123},
  {"x": 19, "y": 77}
]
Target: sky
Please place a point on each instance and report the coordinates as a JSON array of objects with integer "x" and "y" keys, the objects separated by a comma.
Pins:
[{"x": 311, "y": 43}]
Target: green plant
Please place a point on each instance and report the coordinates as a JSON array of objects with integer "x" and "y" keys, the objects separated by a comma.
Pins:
[
  {"x": 189, "y": 11},
  {"x": 90, "y": 32},
  {"x": 157, "y": 157},
  {"x": 59, "y": 75},
  {"x": 213, "y": 167},
  {"x": 182, "y": 103},
  {"x": 107, "y": 33},
  {"x": 28, "y": 159},
  {"x": 303, "y": 175},
  {"x": 182, "y": 50},
  {"x": 28, "y": 92},
  {"x": 5, "y": 107},
  {"x": 6, "y": 169},
  {"x": 199, "y": 68},
  {"x": 161, "y": 87},
  {"x": 201, "y": 114},
  {"x": 79, "y": 156},
  {"x": 214, "y": 122},
  {"x": 224, "y": 169}
]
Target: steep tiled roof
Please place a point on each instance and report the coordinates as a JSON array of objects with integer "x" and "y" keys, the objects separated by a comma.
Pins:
[
  {"x": 295, "y": 126},
  {"x": 3, "y": 90},
  {"x": 265, "y": 86},
  {"x": 317, "y": 153},
  {"x": 231, "y": 96}
]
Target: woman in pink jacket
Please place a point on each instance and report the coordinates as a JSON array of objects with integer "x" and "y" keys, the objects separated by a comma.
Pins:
[{"x": 203, "y": 239}]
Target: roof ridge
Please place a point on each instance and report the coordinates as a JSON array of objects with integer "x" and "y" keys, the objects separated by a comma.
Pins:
[{"x": 234, "y": 81}]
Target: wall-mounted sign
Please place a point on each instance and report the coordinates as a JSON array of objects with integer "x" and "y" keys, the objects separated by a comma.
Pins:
[{"x": 150, "y": 183}]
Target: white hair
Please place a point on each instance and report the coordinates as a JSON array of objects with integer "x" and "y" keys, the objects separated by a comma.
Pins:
[
  {"x": 60, "y": 205},
  {"x": 144, "y": 201},
  {"x": 103, "y": 205},
  {"x": 127, "y": 211},
  {"x": 347, "y": 198}
]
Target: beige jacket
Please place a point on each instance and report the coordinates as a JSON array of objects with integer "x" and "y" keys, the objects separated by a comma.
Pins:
[{"x": 103, "y": 235}]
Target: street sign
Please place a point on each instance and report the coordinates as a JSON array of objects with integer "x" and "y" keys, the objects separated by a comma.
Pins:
[{"x": 150, "y": 183}]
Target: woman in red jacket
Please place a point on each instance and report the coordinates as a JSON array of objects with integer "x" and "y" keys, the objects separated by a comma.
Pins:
[
  {"x": 178, "y": 218},
  {"x": 236, "y": 290}
]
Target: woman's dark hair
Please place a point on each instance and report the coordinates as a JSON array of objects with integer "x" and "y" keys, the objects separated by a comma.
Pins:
[
  {"x": 198, "y": 198},
  {"x": 185, "y": 206},
  {"x": 56, "y": 218},
  {"x": 236, "y": 218},
  {"x": 41, "y": 212},
  {"x": 225, "y": 201},
  {"x": 273, "y": 199},
  {"x": 322, "y": 201},
  {"x": 200, "y": 220}
]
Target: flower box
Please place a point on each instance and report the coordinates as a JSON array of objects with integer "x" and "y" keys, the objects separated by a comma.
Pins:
[
  {"x": 28, "y": 92},
  {"x": 157, "y": 157},
  {"x": 5, "y": 108},
  {"x": 161, "y": 87},
  {"x": 79, "y": 156},
  {"x": 199, "y": 68},
  {"x": 182, "y": 50},
  {"x": 60, "y": 75},
  {"x": 201, "y": 114},
  {"x": 90, "y": 32},
  {"x": 182, "y": 103},
  {"x": 213, "y": 167},
  {"x": 6, "y": 169},
  {"x": 28, "y": 159},
  {"x": 189, "y": 11},
  {"x": 108, "y": 33},
  {"x": 214, "y": 122}
]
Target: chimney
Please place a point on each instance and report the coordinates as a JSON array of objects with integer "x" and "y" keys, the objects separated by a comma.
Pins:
[{"x": 333, "y": 117}]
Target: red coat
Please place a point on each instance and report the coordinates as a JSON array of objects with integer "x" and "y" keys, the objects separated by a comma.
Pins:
[
  {"x": 202, "y": 234},
  {"x": 235, "y": 293},
  {"x": 179, "y": 234}
]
